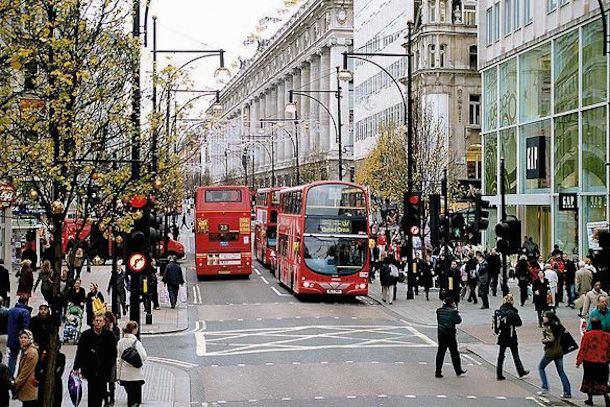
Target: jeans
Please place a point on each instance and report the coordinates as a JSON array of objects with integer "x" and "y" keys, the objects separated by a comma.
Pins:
[
  {"x": 12, "y": 360},
  {"x": 571, "y": 289},
  {"x": 562, "y": 374},
  {"x": 448, "y": 341}
]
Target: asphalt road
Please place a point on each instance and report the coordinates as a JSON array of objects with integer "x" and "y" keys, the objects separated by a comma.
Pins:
[{"x": 251, "y": 343}]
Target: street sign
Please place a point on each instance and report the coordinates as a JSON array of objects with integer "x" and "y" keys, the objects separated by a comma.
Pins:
[
  {"x": 137, "y": 262},
  {"x": 8, "y": 195}
]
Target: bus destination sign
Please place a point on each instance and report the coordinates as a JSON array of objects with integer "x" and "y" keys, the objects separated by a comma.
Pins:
[{"x": 335, "y": 226}]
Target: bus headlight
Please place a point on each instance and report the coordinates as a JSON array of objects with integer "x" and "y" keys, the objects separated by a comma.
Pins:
[{"x": 307, "y": 284}]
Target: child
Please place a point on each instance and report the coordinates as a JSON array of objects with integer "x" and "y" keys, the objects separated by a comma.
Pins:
[{"x": 5, "y": 383}]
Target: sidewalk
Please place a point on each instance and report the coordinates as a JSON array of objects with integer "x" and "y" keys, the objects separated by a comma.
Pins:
[
  {"x": 482, "y": 341},
  {"x": 165, "y": 386}
]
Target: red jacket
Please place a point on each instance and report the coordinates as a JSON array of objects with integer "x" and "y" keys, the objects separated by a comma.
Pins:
[{"x": 594, "y": 347}]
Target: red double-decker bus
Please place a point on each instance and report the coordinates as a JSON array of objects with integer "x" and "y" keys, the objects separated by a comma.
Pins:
[
  {"x": 265, "y": 224},
  {"x": 322, "y": 245},
  {"x": 222, "y": 231}
]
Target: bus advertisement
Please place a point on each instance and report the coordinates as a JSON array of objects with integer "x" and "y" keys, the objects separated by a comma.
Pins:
[
  {"x": 323, "y": 239},
  {"x": 222, "y": 231},
  {"x": 265, "y": 224}
]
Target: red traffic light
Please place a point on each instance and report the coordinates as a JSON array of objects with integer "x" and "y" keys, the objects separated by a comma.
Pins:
[
  {"x": 414, "y": 199},
  {"x": 138, "y": 201}
]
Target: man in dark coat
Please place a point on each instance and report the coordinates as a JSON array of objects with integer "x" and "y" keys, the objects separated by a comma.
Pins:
[
  {"x": 40, "y": 325},
  {"x": 483, "y": 273},
  {"x": 451, "y": 282},
  {"x": 570, "y": 279},
  {"x": 509, "y": 320},
  {"x": 95, "y": 356},
  {"x": 18, "y": 320},
  {"x": 5, "y": 284},
  {"x": 473, "y": 278},
  {"x": 173, "y": 279},
  {"x": 494, "y": 264},
  {"x": 447, "y": 318},
  {"x": 29, "y": 253}
]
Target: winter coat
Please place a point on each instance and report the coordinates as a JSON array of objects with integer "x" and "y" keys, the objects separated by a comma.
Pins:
[
  {"x": 494, "y": 264},
  {"x": 96, "y": 354},
  {"x": 584, "y": 281},
  {"x": 41, "y": 327},
  {"x": 384, "y": 275},
  {"x": 551, "y": 339},
  {"x": 540, "y": 290},
  {"x": 76, "y": 297},
  {"x": 46, "y": 285},
  {"x": 425, "y": 273},
  {"x": 594, "y": 347},
  {"x": 522, "y": 271},
  {"x": 25, "y": 387},
  {"x": 125, "y": 371},
  {"x": 18, "y": 320},
  {"x": 604, "y": 318},
  {"x": 454, "y": 291},
  {"x": 483, "y": 272},
  {"x": 447, "y": 318},
  {"x": 508, "y": 332},
  {"x": 173, "y": 274},
  {"x": 5, "y": 284},
  {"x": 26, "y": 281},
  {"x": 591, "y": 299}
]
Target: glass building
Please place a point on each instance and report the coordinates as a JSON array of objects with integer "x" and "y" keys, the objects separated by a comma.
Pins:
[{"x": 545, "y": 111}]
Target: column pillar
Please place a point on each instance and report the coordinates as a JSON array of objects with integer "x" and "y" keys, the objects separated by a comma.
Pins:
[
  {"x": 314, "y": 130},
  {"x": 324, "y": 84}
]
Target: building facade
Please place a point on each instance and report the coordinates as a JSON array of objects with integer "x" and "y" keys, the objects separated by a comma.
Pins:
[
  {"x": 254, "y": 137},
  {"x": 545, "y": 112},
  {"x": 379, "y": 26},
  {"x": 447, "y": 85}
]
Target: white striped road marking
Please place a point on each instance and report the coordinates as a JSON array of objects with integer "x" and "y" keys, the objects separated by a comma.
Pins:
[
  {"x": 286, "y": 399},
  {"x": 441, "y": 396},
  {"x": 500, "y": 398},
  {"x": 471, "y": 397},
  {"x": 351, "y": 397},
  {"x": 275, "y": 290},
  {"x": 196, "y": 295},
  {"x": 410, "y": 396},
  {"x": 319, "y": 397},
  {"x": 470, "y": 358},
  {"x": 422, "y": 336},
  {"x": 174, "y": 362},
  {"x": 382, "y": 396},
  {"x": 257, "y": 272},
  {"x": 264, "y": 280},
  {"x": 535, "y": 401},
  {"x": 201, "y": 347}
]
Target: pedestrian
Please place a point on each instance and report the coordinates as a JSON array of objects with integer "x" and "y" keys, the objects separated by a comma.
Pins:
[
  {"x": 25, "y": 385},
  {"x": 425, "y": 275},
  {"x": 41, "y": 326},
  {"x": 111, "y": 325},
  {"x": 464, "y": 281},
  {"x": 592, "y": 298},
  {"x": 483, "y": 279},
  {"x": 60, "y": 366},
  {"x": 507, "y": 319},
  {"x": 5, "y": 384},
  {"x": 45, "y": 279},
  {"x": 61, "y": 300},
  {"x": 120, "y": 282},
  {"x": 570, "y": 279},
  {"x": 78, "y": 260},
  {"x": 26, "y": 279},
  {"x": 29, "y": 253},
  {"x": 18, "y": 320},
  {"x": 594, "y": 356},
  {"x": 473, "y": 278},
  {"x": 131, "y": 377},
  {"x": 5, "y": 284},
  {"x": 494, "y": 264},
  {"x": 451, "y": 283},
  {"x": 447, "y": 318},
  {"x": 385, "y": 279},
  {"x": 553, "y": 279},
  {"x": 540, "y": 289},
  {"x": 601, "y": 313},
  {"x": 95, "y": 356},
  {"x": 76, "y": 294},
  {"x": 523, "y": 277},
  {"x": 93, "y": 301},
  {"x": 553, "y": 352},
  {"x": 173, "y": 279},
  {"x": 584, "y": 279},
  {"x": 153, "y": 287}
]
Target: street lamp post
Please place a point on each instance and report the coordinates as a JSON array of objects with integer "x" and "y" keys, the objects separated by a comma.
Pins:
[
  {"x": 262, "y": 131},
  {"x": 346, "y": 75},
  {"x": 295, "y": 142}
]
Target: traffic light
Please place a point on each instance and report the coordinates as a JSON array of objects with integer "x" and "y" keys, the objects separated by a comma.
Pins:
[
  {"x": 481, "y": 215},
  {"x": 508, "y": 233},
  {"x": 458, "y": 224},
  {"x": 412, "y": 218},
  {"x": 435, "y": 221}
]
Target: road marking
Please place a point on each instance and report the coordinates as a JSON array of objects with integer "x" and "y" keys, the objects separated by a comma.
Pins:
[
  {"x": 421, "y": 336},
  {"x": 500, "y": 398},
  {"x": 174, "y": 362},
  {"x": 471, "y": 397},
  {"x": 286, "y": 399},
  {"x": 257, "y": 272},
  {"x": 275, "y": 290},
  {"x": 441, "y": 396},
  {"x": 196, "y": 295},
  {"x": 265, "y": 280},
  {"x": 410, "y": 396},
  {"x": 201, "y": 348},
  {"x": 422, "y": 363},
  {"x": 470, "y": 358},
  {"x": 382, "y": 396},
  {"x": 319, "y": 397},
  {"x": 535, "y": 401},
  {"x": 351, "y": 397}
]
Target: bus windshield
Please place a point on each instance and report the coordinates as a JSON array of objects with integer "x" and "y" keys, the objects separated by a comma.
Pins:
[
  {"x": 335, "y": 256},
  {"x": 336, "y": 200},
  {"x": 222, "y": 195}
]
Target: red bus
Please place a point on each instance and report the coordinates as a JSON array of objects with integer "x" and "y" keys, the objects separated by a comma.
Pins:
[
  {"x": 323, "y": 239},
  {"x": 265, "y": 224},
  {"x": 222, "y": 231}
]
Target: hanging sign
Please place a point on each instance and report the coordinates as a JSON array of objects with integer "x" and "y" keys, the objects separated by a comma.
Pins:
[
  {"x": 568, "y": 202},
  {"x": 535, "y": 157}
]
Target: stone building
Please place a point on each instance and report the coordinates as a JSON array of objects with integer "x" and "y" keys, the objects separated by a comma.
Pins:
[{"x": 303, "y": 56}]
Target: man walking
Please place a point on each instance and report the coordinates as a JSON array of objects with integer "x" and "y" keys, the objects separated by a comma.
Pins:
[
  {"x": 173, "y": 279},
  {"x": 40, "y": 326},
  {"x": 494, "y": 265},
  {"x": 95, "y": 356},
  {"x": 447, "y": 318},
  {"x": 600, "y": 312},
  {"x": 18, "y": 320},
  {"x": 483, "y": 273},
  {"x": 592, "y": 298},
  {"x": 506, "y": 320},
  {"x": 473, "y": 278}
]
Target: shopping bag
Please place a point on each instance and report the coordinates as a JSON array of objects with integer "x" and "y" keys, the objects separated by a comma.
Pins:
[
  {"x": 583, "y": 326},
  {"x": 75, "y": 388},
  {"x": 98, "y": 306}
]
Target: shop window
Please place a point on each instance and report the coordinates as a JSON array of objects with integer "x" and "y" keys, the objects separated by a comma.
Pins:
[
  {"x": 566, "y": 230},
  {"x": 593, "y": 64},
  {"x": 566, "y": 72},
  {"x": 594, "y": 150},
  {"x": 593, "y": 210},
  {"x": 566, "y": 153},
  {"x": 535, "y": 83},
  {"x": 473, "y": 161}
]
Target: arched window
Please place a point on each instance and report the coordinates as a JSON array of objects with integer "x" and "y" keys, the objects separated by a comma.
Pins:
[
  {"x": 432, "y": 55},
  {"x": 442, "y": 55}
]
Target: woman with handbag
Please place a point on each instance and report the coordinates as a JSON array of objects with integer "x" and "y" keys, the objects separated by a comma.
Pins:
[
  {"x": 129, "y": 365},
  {"x": 94, "y": 303},
  {"x": 553, "y": 352},
  {"x": 594, "y": 355}
]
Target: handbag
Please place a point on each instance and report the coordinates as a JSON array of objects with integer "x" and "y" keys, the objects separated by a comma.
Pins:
[
  {"x": 568, "y": 344},
  {"x": 132, "y": 356},
  {"x": 98, "y": 306}
]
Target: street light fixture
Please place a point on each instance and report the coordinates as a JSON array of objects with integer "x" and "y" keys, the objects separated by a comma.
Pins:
[
  {"x": 345, "y": 74},
  {"x": 222, "y": 74},
  {"x": 291, "y": 107},
  {"x": 217, "y": 106}
]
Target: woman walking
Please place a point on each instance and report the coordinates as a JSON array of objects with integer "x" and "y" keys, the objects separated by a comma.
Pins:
[
  {"x": 425, "y": 275},
  {"x": 26, "y": 279},
  {"x": 553, "y": 352},
  {"x": 540, "y": 288},
  {"x": 593, "y": 355},
  {"x": 24, "y": 385},
  {"x": 131, "y": 377},
  {"x": 385, "y": 278},
  {"x": 46, "y": 282},
  {"x": 93, "y": 295}
]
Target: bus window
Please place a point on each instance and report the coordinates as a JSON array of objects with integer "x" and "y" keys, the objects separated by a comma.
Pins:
[
  {"x": 223, "y": 237},
  {"x": 223, "y": 195},
  {"x": 271, "y": 236},
  {"x": 273, "y": 217},
  {"x": 329, "y": 255}
]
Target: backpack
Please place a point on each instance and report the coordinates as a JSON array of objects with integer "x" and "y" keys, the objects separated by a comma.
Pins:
[{"x": 498, "y": 322}]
